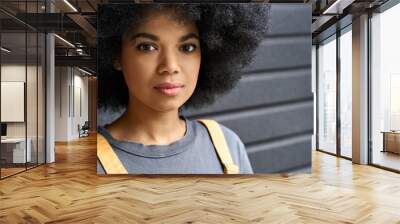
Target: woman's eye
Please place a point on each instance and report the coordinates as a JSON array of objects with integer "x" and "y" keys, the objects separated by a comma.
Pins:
[
  {"x": 146, "y": 47},
  {"x": 188, "y": 48}
]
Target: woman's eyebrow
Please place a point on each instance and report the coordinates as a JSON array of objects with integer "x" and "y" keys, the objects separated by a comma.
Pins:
[
  {"x": 145, "y": 35},
  {"x": 188, "y": 36},
  {"x": 156, "y": 38}
]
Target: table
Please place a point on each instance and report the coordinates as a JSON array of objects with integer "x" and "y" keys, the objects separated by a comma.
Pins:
[
  {"x": 15, "y": 148},
  {"x": 391, "y": 141}
]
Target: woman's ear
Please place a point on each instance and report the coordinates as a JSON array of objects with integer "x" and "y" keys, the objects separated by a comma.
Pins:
[{"x": 117, "y": 65}]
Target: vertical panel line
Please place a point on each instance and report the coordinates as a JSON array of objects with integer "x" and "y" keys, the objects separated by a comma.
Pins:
[
  {"x": 1, "y": 163},
  {"x": 317, "y": 95},
  {"x": 338, "y": 93},
  {"x": 26, "y": 85},
  {"x": 37, "y": 90},
  {"x": 60, "y": 75},
  {"x": 369, "y": 90},
  {"x": 46, "y": 36},
  {"x": 37, "y": 100}
]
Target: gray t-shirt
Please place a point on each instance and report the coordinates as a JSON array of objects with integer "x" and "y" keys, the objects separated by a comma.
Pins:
[{"x": 194, "y": 153}]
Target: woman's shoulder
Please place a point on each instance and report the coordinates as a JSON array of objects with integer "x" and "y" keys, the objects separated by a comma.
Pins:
[
  {"x": 105, "y": 134},
  {"x": 230, "y": 136},
  {"x": 236, "y": 148},
  {"x": 103, "y": 131}
]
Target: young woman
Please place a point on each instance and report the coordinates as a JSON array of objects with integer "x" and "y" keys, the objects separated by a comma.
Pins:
[{"x": 155, "y": 59}]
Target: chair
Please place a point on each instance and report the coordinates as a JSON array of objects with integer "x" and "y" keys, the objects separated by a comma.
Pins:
[{"x": 84, "y": 130}]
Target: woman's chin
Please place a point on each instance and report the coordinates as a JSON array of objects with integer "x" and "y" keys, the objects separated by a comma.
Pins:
[{"x": 166, "y": 106}]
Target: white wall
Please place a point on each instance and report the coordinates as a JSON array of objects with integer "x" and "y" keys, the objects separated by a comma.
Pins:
[
  {"x": 33, "y": 126},
  {"x": 71, "y": 93},
  {"x": 12, "y": 100},
  {"x": 12, "y": 73},
  {"x": 61, "y": 103}
]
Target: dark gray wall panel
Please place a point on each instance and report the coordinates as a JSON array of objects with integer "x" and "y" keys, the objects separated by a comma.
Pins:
[
  {"x": 262, "y": 89},
  {"x": 274, "y": 157},
  {"x": 268, "y": 123},
  {"x": 272, "y": 105},
  {"x": 289, "y": 41},
  {"x": 282, "y": 53},
  {"x": 290, "y": 19}
]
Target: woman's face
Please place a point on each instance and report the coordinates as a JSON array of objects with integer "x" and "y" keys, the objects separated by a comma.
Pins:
[{"x": 161, "y": 62}]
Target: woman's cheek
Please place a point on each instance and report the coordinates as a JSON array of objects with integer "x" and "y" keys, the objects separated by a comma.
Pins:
[{"x": 194, "y": 70}]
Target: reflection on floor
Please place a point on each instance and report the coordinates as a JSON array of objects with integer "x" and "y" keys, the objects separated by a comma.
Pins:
[
  {"x": 11, "y": 169},
  {"x": 386, "y": 159},
  {"x": 346, "y": 152}
]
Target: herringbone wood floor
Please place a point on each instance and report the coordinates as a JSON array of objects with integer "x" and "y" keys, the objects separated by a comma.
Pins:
[{"x": 69, "y": 191}]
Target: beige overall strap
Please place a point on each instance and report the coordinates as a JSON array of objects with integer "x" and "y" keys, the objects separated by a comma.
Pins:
[
  {"x": 108, "y": 158},
  {"x": 217, "y": 137}
]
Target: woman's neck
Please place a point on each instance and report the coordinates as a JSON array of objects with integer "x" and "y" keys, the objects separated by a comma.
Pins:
[{"x": 145, "y": 125}]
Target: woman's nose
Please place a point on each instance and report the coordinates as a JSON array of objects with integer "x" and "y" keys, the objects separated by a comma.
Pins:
[{"x": 169, "y": 63}]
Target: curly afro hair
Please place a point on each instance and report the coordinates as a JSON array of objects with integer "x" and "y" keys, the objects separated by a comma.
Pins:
[{"x": 229, "y": 36}]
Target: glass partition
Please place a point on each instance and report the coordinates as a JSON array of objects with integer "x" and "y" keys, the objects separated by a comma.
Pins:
[
  {"x": 14, "y": 152},
  {"x": 346, "y": 92},
  {"x": 385, "y": 89},
  {"x": 327, "y": 95},
  {"x": 22, "y": 88}
]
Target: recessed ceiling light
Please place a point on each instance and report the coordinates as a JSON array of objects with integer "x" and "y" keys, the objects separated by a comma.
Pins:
[
  {"x": 338, "y": 6},
  {"x": 5, "y": 49},
  {"x": 84, "y": 71},
  {"x": 64, "y": 40},
  {"x": 70, "y": 5}
]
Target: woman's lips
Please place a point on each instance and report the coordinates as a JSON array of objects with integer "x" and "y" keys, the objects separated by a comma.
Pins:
[{"x": 169, "y": 89}]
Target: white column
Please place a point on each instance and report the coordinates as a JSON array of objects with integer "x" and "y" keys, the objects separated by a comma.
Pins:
[{"x": 50, "y": 93}]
